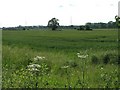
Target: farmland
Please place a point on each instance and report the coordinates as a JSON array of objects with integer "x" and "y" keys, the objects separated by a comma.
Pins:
[{"x": 72, "y": 59}]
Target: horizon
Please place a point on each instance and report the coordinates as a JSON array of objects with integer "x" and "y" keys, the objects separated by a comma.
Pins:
[{"x": 46, "y": 25}]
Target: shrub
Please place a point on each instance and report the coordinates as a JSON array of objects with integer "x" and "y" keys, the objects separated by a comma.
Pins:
[
  {"x": 111, "y": 58},
  {"x": 94, "y": 59},
  {"x": 106, "y": 58}
]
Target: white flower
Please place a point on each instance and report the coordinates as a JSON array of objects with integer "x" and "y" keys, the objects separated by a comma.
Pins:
[
  {"x": 33, "y": 69},
  {"x": 101, "y": 68},
  {"x": 82, "y": 56},
  {"x": 37, "y": 58},
  {"x": 34, "y": 66},
  {"x": 65, "y": 67},
  {"x": 102, "y": 75}
]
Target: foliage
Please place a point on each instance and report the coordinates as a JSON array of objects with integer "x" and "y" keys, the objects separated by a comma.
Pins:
[
  {"x": 53, "y": 23},
  {"x": 94, "y": 59},
  {"x": 117, "y": 18},
  {"x": 106, "y": 59}
]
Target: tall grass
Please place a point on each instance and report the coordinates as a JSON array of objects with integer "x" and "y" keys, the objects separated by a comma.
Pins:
[{"x": 15, "y": 73}]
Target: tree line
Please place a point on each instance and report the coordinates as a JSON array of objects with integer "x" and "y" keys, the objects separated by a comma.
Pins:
[
  {"x": 101, "y": 25},
  {"x": 54, "y": 24},
  {"x": 88, "y": 25}
]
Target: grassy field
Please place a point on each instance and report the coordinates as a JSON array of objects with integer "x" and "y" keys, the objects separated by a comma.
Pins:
[{"x": 60, "y": 59}]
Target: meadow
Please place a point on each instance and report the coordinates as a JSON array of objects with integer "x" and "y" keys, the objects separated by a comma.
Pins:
[{"x": 60, "y": 59}]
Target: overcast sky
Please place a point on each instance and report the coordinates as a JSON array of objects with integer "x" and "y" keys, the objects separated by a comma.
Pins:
[{"x": 38, "y": 12}]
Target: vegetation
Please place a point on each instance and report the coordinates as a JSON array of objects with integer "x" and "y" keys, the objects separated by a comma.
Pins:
[
  {"x": 63, "y": 59},
  {"x": 117, "y": 18},
  {"x": 53, "y": 23}
]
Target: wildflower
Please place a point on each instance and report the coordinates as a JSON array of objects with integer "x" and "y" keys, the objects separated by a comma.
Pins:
[
  {"x": 33, "y": 69},
  {"x": 102, "y": 75},
  {"x": 37, "y": 58},
  {"x": 101, "y": 68},
  {"x": 34, "y": 66},
  {"x": 82, "y": 56},
  {"x": 65, "y": 67}
]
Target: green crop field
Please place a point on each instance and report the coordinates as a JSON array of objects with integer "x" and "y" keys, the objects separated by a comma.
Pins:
[{"x": 60, "y": 59}]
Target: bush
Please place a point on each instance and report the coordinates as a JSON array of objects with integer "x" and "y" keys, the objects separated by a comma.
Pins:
[
  {"x": 94, "y": 59},
  {"x": 111, "y": 58},
  {"x": 106, "y": 58}
]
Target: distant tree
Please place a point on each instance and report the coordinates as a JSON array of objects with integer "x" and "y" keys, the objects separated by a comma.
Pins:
[
  {"x": 82, "y": 27},
  {"x": 88, "y": 26},
  {"x": 103, "y": 25},
  {"x": 53, "y": 23},
  {"x": 110, "y": 24},
  {"x": 117, "y": 18}
]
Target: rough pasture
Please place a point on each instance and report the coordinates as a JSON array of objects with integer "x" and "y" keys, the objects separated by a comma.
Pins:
[{"x": 95, "y": 66}]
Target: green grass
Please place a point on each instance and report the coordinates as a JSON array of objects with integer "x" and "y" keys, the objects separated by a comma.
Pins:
[
  {"x": 69, "y": 40},
  {"x": 60, "y": 49}
]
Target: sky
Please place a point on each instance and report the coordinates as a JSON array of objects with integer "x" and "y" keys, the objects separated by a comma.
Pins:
[{"x": 69, "y": 12}]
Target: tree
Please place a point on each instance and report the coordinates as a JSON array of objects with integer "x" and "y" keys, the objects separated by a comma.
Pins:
[
  {"x": 117, "y": 18},
  {"x": 53, "y": 23},
  {"x": 110, "y": 24},
  {"x": 88, "y": 26}
]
